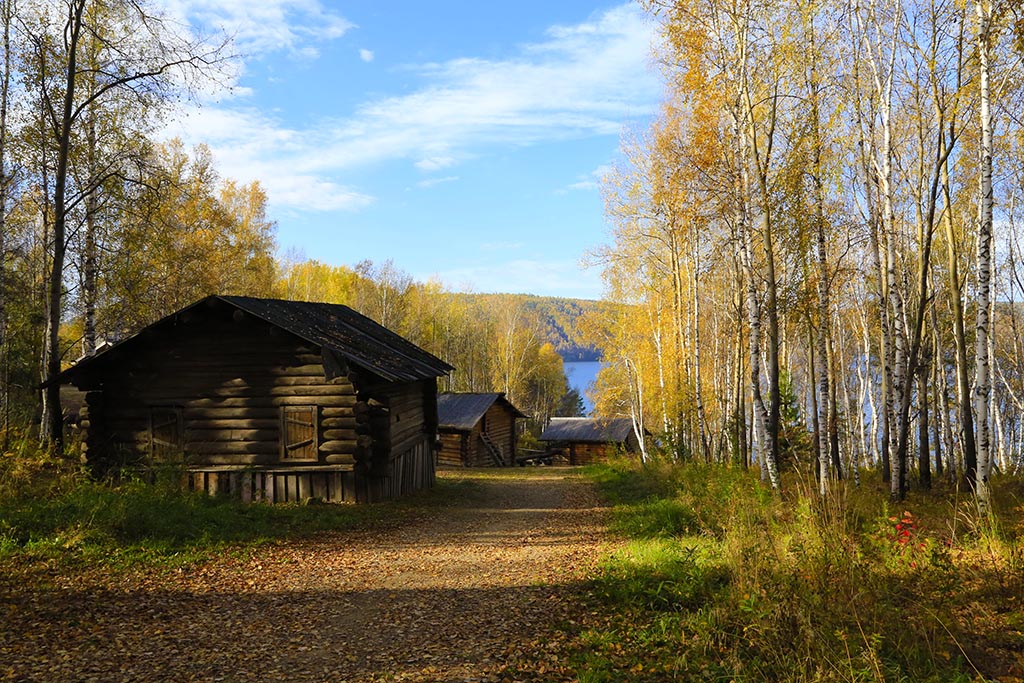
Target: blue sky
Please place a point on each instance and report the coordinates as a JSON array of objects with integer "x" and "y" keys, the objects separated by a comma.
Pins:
[{"x": 463, "y": 140}]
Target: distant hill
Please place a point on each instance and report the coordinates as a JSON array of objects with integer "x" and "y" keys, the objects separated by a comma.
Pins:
[{"x": 560, "y": 316}]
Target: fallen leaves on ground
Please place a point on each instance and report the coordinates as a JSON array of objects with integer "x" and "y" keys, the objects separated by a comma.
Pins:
[{"x": 459, "y": 592}]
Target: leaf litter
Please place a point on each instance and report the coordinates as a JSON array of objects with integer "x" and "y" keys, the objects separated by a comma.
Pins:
[{"x": 485, "y": 587}]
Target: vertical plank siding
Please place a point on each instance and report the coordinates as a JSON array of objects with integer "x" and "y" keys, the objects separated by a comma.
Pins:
[{"x": 276, "y": 485}]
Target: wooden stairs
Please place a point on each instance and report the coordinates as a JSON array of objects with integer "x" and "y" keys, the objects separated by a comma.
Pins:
[{"x": 493, "y": 449}]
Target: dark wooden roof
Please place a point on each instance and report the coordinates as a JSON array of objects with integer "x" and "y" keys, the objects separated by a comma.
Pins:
[
  {"x": 588, "y": 430},
  {"x": 351, "y": 335},
  {"x": 463, "y": 411}
]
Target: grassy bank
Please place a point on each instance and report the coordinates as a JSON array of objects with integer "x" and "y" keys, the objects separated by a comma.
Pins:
[
  {"x": 53, "y": 515},
  {"x": 721, "y": 581}
]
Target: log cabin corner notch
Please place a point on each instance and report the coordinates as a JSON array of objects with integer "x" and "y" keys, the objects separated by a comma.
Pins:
[
  {"x": 266, "y": 399},
  {"x": 477, "y": 430}
]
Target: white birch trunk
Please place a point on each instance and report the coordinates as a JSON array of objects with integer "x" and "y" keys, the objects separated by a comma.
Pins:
[{"x": 982, "y": 386}]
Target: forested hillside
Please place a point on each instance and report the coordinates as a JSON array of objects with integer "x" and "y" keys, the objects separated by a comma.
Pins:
[{"x": 560, "y": 318}]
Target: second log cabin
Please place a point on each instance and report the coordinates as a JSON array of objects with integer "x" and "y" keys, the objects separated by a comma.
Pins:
[
  {"x": 266, "y": 399},
  {"x": 585, "y": 440},
  {"x": 477, "y": 430}
]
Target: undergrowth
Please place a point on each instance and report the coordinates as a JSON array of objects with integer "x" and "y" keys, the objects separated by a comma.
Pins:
[
  {"x": 720, "y": 580},
  {"x": 53, "y": 513}
]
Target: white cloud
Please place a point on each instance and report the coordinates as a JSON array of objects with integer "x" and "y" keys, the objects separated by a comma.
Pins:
[
  {"x": 366, "y": 55},
  {"x": 434, "y": 163},
  {"x": 248, "y": 159},
  {"x": 430, "y": 182},
  {"x": 265, "y": 25},
  {"x": 312, "y": 193},
  {"x": 590, "y": 181},
  {"x": 581, "y": 81}
]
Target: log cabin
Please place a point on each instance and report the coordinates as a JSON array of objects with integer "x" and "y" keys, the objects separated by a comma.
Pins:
[
  {"x": 477, "y": 430},
  {"x": 585, "y": 440},
  {"x": 267, "y": 400}
]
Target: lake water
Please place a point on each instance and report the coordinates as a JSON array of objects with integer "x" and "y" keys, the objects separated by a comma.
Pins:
[{"x": 581, "y": 375}]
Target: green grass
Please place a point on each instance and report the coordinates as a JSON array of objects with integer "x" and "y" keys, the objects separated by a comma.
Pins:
[
  {"x": 52, "y": 515},
  {"x": 135, "y": 523},
  {"x": 722, "y": 581}
]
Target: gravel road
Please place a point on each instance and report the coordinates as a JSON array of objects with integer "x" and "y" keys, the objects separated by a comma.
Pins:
[{"x": 452, "y": 592}]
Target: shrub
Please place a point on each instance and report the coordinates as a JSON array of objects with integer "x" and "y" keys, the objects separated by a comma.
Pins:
[{"x": 722, "y": 580}]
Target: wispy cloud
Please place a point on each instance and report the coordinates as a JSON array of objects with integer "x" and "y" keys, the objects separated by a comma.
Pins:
[
  {"x": 580, "y": 81},
  {"x": 591, "y": 181},
  {"x": 431, "y": 182},
  {"x": 266, "y": 25},
  {"x": 434, "y": 163},
  {"x": 247, "y": 159},
  {"x": 366, "y": 55},
  {"x": 317, "y": 194}
]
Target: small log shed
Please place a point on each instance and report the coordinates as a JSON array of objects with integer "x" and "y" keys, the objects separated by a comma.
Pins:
[
  {"x": 477, "y": 430},
  {"x": 584, "y": 440},
  {"x": 267, "y": 400}
]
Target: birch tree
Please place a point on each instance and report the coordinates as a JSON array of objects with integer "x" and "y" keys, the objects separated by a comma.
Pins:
[
  {"x": 983, "y": 383},
  {"x": 140, "y": 56},
  {"x": 7, "y": 8}
]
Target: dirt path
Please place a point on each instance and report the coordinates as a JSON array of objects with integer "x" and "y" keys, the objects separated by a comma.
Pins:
[{"x": 447, "y": 595}]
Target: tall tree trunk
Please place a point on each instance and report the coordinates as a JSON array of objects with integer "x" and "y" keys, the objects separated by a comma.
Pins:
[
  {"x": 762, "y": 421},
  {"x": 702, "y": 429},
  {"x": 955, "y": 286},
  {"x": 740, "y": 407},
  {"x": 868, "y": 439},
  {"x": 983, "y": 379},
  {"x": 820, "y": 463},
  {"x": 54, "y": 429},
  {"x": 762, "y": 159},
  {"x": 876, "y": 160},
  {"x": 938, "y": 392},
  {"x": 826, "y": 421},
  {"x": 90, "y": 255},
  {"x": 925, "y": 233},
  {"x": 6, "y": 16},
  {"x": 924, "y": 471}
]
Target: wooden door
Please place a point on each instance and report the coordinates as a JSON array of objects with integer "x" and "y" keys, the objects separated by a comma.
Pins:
[
  {"x": 166, "y": 441},
  {"x": 299, "y": 433}
]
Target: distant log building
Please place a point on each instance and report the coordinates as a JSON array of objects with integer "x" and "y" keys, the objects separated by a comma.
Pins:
[
  {"x": 584, "y": 440},
  {"x": 267, "y": 400},
  {"x": 477, "y": 430}
]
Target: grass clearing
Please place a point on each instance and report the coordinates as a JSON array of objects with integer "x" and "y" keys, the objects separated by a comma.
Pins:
[
  {"x": 135, "y": 523},
  {"x": 53, "y": 515},
  {"x": 722, "y": 581}
]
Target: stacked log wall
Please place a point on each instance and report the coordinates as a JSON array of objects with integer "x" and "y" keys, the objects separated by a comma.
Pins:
[
  {"x": 583, "y": 453},
  {"x": 229, "y": 380},
  {"x": 501, "y": 428},
  {"x": 221, "y": 382},
  {"x": 454, "y": 447}
]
